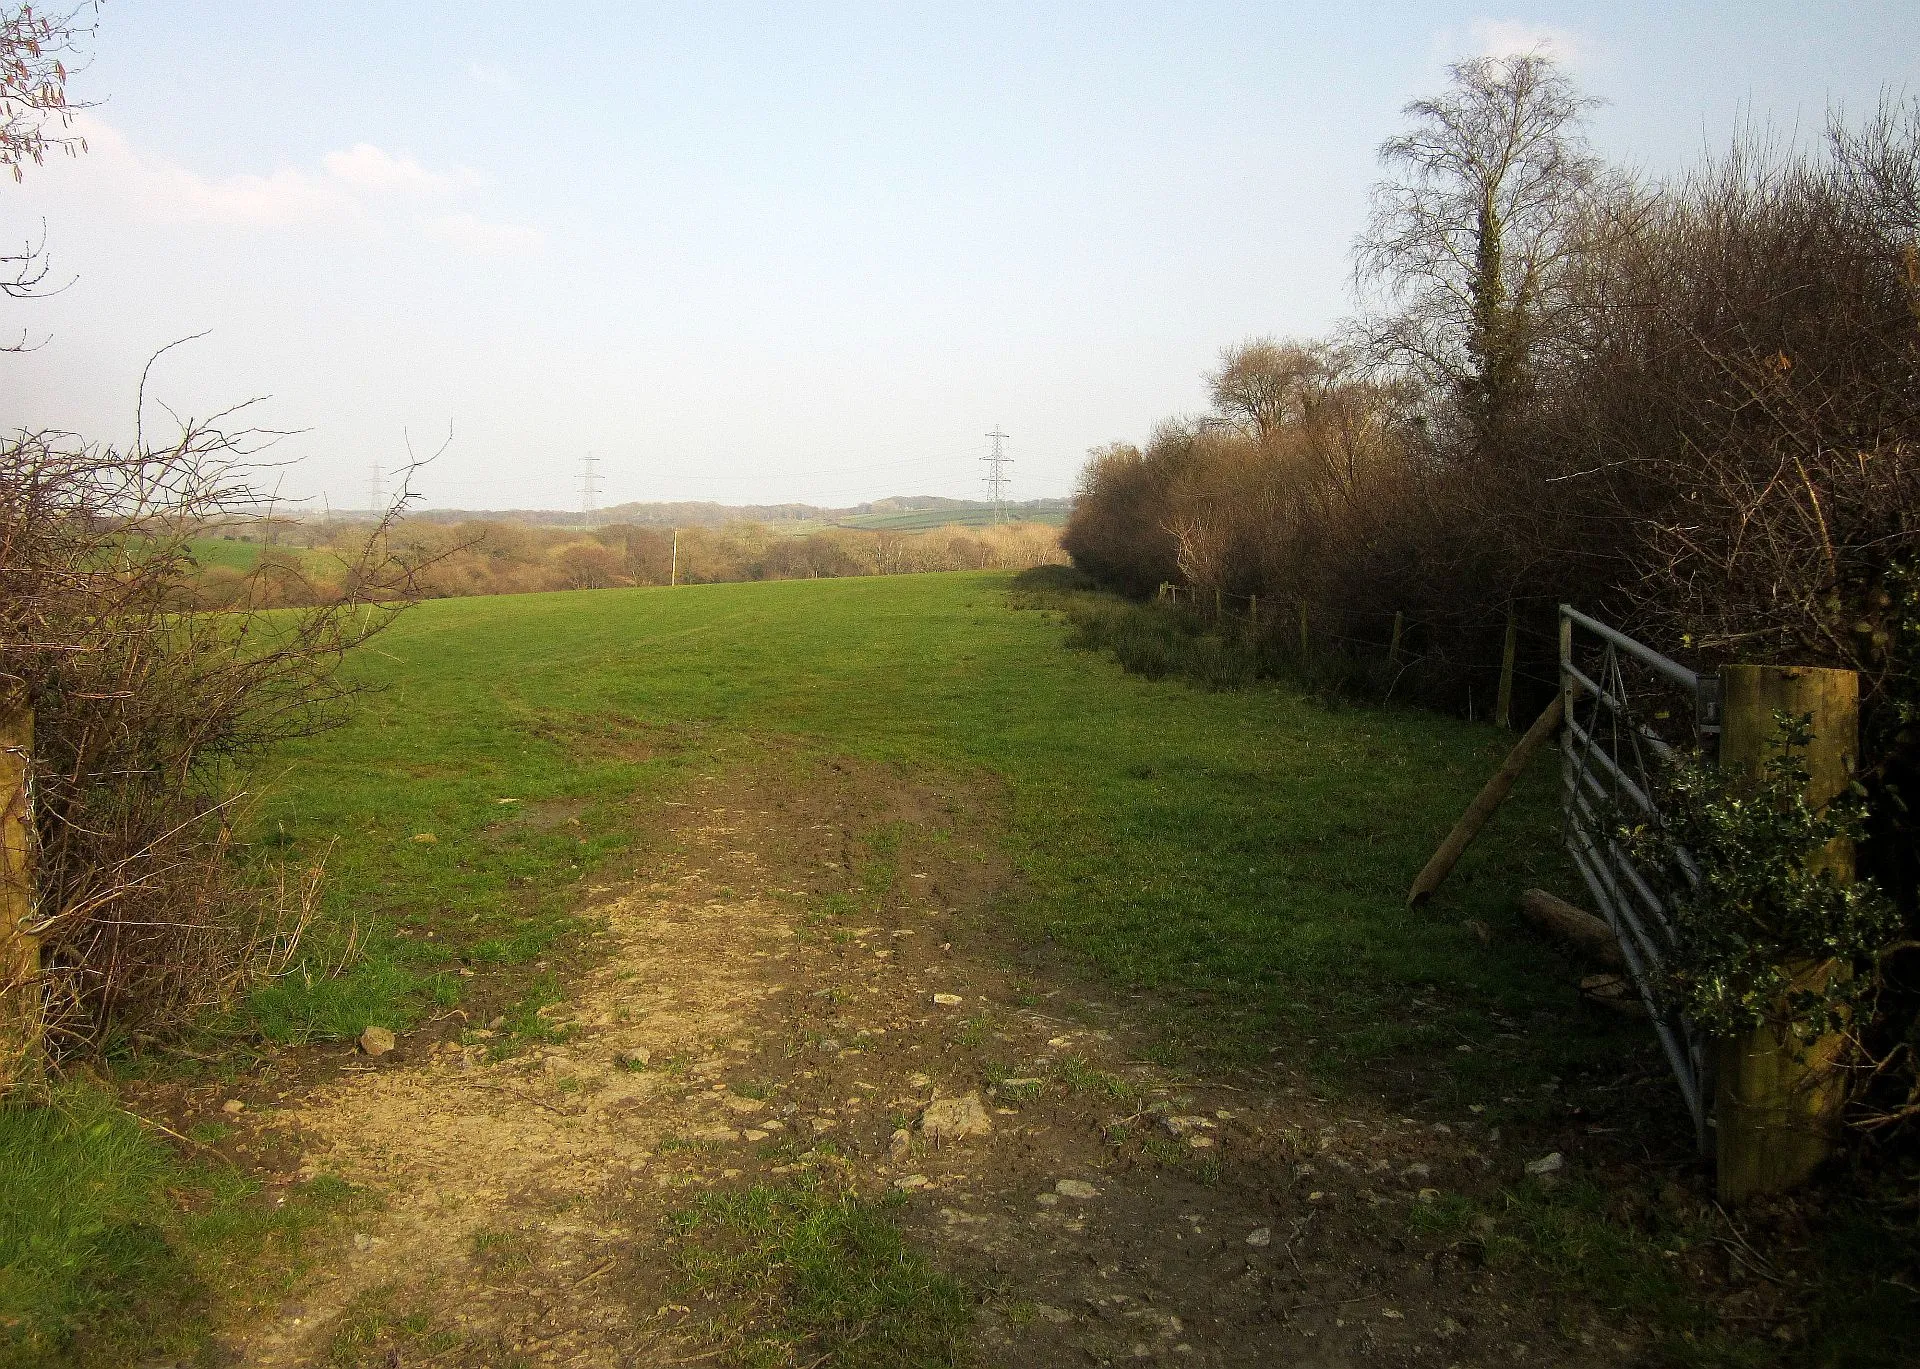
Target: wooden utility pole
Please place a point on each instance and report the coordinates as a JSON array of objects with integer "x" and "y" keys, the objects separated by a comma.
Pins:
[
  {"x": 19, "y": 948},
  {"x": 1777, "y": 1098}
]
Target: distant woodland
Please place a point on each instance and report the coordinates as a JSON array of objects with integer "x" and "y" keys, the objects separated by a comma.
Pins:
[{"x": 294, "y": 564}]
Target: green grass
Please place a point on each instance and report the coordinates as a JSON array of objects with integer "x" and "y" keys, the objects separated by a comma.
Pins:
[
  {"x": 805, "y": 1274},
  {"x": 1243, "y": 854},
  {"x": 1237, "y": 857},
  {"x": 244, "y": 556},
  {"x": 113, "y": 1247},
  {"x": 219, "y": 551}
]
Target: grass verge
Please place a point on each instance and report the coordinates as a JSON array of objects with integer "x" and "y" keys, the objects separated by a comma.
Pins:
[
  {"x": 807, "y": 1274},
  {"x": 114, "y": 1249}
]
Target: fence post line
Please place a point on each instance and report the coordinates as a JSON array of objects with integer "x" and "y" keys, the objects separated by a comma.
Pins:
[
  {"x": 1777, "y": 1101},
  {"x": 19, "y": 948},
  {"x": 1503, "y": 709}
]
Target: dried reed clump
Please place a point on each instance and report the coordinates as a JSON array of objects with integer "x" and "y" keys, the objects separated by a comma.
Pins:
[{"x": 144, "y": 709}]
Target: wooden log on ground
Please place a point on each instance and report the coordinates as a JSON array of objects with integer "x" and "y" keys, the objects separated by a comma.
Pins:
[
  {"x": 1485, "y": 804},
  {"x": 1588, "y": 934}
]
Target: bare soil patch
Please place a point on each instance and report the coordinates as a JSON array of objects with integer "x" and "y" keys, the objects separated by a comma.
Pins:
[{"x": 810, "y": 964}]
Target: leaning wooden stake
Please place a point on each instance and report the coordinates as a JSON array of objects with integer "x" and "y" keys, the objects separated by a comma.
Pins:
[
  {"x": 19, "y": 949},
  {"x": 1777, "y": 1099},
  {"x": 1503, "y": 709},
  {"x": 1485, "y": 804}
]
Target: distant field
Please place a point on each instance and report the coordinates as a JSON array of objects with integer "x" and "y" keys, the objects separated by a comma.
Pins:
[
  {"x": 218, "y": 551},
  {"x": 923, "y": 520},
  {"x": 244, "y": 556}
]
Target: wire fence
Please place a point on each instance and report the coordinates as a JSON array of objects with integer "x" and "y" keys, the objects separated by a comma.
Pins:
[{"x": 1405, "y": 643}]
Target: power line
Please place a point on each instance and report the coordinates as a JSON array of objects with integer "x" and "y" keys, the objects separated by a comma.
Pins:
[
  {"x": 997, "y": 478},
  {"x": 589, "y": 484}
]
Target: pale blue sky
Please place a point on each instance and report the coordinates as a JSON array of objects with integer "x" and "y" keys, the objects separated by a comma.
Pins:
[{"x": 777, "y": 252}]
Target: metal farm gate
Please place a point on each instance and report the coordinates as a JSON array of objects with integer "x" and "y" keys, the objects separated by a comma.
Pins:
[{"x": 1629, "y": 710}]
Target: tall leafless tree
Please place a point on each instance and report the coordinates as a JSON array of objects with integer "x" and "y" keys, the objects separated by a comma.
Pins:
[{"x": 1487, "y": 200}]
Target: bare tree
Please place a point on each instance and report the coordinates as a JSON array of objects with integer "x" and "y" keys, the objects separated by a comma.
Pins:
[
  {"x": 1262, "y": 384},
  {"x": 1488, "y": 199}
]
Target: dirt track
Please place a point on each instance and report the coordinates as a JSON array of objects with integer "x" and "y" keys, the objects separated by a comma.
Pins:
[{"x": 731, "y": 1031}]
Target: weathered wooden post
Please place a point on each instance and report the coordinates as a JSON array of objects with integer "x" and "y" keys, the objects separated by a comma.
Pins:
[
  {"x": 19, "y": 948},
  {"x": 1216, "y": 603},
  {"x": 1253, "y": 609},
  {"x": 1777, "y": 1099},
  {"x": 1393, "y": 647},
  {"x": 1503, "y": 709}
]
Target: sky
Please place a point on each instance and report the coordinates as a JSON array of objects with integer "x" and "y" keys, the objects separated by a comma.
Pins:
[{"x": 764, "y": 253}]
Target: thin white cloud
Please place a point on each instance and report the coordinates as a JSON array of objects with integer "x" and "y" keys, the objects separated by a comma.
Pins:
[
  {"x": 1517, "y": 38},
  {"x": 353, "y": 187},
  {"x": 154, "y": 188},
  {"x": 368, "y": 168},
  {"x": 480, "y": 238}
]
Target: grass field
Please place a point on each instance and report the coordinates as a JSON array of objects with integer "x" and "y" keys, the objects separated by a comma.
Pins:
[
  {"x": 1245, "y": 848},
  {"x": 1240, "y": 857}
]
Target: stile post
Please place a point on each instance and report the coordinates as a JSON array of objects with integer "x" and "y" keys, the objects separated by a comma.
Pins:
[
  {"x": 19, "y": 948},
  {"x": 1503, "y": 709},
  {"x": 1777, "y": 1099}
]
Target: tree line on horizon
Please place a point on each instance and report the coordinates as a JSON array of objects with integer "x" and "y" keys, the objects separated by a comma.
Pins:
[{"x": 313, "y": 564}]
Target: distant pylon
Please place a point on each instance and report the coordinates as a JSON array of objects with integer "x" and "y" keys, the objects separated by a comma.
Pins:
[
  {"x": 589, "y": 484},
  {"x": 376, "y": 490},
  {"x": 997, "y": 478}
]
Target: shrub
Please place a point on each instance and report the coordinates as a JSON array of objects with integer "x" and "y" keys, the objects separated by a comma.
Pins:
[{"x": 144, "y": 706}]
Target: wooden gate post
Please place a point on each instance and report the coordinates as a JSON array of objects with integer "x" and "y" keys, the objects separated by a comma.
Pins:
[
  {"x": 1777, "y": 1100},
  {"x": 19, "y": 949}
]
